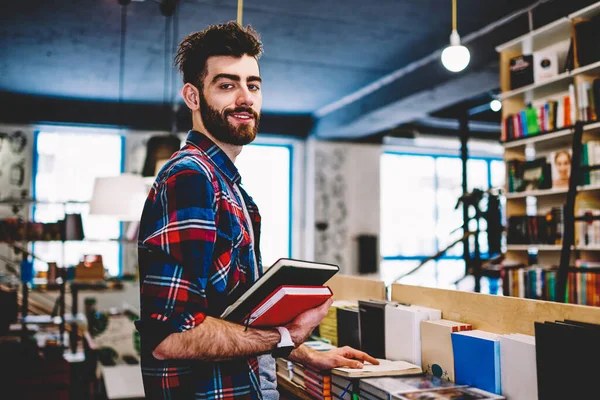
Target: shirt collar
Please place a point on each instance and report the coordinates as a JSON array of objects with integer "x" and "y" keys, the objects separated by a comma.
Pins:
[{"x": 216, "y": 154}]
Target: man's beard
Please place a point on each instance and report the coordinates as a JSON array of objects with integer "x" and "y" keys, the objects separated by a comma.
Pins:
[{"x": 219, "y": 126}]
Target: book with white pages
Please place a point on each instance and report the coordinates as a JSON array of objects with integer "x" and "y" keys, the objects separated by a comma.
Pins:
[
  {"x": 385, "y": 368},
  {"x": 518, "y": 372}
]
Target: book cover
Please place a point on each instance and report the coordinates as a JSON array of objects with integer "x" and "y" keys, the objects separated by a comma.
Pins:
[
  {"x": 384, "y": 388},
  {"x": 436, "y": 348},
  {"x": 372, "y": 327},
  {"x": 518, "y": 372},
  {"x": 348, "y": 331},
  {"x": 283, "y": 272},
  {"x": 477, "y": 359},
  {"x": 521, "y": 71},
  {"x": 459, "y": 393},
  {"x": 560, "y": 162},
  {"x": 385, "y": 368},
  {"x": 285, "y": 303},
  {"x": 545, "y": 64}
]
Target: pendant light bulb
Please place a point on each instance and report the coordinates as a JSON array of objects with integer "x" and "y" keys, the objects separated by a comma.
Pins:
[{"x": 455, "y": 57}]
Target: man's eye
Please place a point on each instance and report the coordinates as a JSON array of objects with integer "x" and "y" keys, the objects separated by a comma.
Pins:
[
  {"x": 254, "y": 87},
  {"x": 226, "y": 86}
]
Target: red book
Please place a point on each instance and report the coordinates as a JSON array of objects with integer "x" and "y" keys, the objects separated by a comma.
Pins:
[{"x": 286, "y": 303}]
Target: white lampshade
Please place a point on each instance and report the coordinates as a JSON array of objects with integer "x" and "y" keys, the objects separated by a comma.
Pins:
[
  {"x": 455, "y": 57},
  {"x": 121, "y": 197}
]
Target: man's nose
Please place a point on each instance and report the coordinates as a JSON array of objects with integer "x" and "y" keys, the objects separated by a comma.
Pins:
[{"x": 245, "y": 98}]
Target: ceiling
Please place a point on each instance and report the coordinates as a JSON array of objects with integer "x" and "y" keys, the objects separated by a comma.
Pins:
[{"x": 316, "y": 51}]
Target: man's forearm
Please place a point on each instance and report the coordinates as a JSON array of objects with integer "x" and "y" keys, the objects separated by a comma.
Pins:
[
  {"x": 302, "y": 354},
  {"x": 217, "y": 340}
]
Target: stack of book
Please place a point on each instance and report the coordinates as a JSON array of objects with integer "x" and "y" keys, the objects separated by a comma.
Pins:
[
  {"x": 436, "y": 347},
  {"x": 343, "y": 388},
  {"x": 385, "y": 388},
  {"x": 565, "y": 352},
  {"x": 317, "y": 384}
]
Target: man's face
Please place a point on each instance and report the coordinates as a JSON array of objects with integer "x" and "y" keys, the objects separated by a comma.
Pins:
[{"x": 231, "y": 99}]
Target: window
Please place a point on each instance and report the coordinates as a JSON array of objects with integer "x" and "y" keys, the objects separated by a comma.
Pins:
[
  {"x": 419, "y": 193},
  {"x": 266, "y": 171},
  {"x": 65, "y": 167}
]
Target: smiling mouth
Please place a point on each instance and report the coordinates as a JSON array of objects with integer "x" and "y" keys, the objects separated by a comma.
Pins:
[{"x": 242, "y": 116}]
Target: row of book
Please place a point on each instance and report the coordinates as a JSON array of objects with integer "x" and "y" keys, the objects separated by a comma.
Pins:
[
  {"x": 537, "y": 229},
  {"x": 582, "y": 103},
  {"x": 540, "y": 282},
  {"x": 590, "y": 155},
  {"x": 456, "y": 359},
  {"x": 588, "y": 233}
]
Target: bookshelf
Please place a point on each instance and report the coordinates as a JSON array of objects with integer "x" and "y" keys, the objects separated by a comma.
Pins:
[{"x": 568, "y": 95}]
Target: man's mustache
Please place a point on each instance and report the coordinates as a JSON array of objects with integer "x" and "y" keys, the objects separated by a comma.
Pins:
[{"x": 241, "y": 110}]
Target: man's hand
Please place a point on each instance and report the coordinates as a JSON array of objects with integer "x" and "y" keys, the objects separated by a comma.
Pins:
[
  {"x": 340, "y": 357},
  {"x": 303, "y": 325}
]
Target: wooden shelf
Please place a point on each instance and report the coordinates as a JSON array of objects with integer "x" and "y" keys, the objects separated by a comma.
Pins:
[
  {"x": 535, "y": 193},
  {"x": 587, "y": 12},
  {"x": 539, "y": 247},
  {"x": 592, "y": 127},
  {"x": 559, "y": 139},
  {"x": 587, "y": 69},
  {"x": 550, "y": 192},
  {"x": 554, "y": 85}
]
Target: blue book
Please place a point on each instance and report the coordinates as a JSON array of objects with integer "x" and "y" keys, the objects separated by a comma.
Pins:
[
  {"x": 524, "y": 123},
  {"x": 477, "y": 360}
]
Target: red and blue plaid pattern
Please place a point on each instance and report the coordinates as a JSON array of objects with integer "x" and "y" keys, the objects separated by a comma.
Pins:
[{"x": 195, "y": 259}]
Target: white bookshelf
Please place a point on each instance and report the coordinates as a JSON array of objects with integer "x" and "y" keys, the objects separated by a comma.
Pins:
[
  {"x": 587, "y": 12},
  {"x": 541, "y": 37},
  {"x": 548, "y": 247},
  {"x": 559, "y": 83},
  {"x": 544, "y": 141},
  {"x": 551, "y": 192}
]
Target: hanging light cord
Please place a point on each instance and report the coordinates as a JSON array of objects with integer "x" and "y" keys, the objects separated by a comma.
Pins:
[
  {"x": 240, "y": 11},
  {"x": 122, "y": 56},
  {"x": 453, "y": 15}
]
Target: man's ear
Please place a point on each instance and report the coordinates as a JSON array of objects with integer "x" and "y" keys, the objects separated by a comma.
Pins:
[{"x": 191, "y": 96}]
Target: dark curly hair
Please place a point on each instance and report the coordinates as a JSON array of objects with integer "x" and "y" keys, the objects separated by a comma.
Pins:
[{"x": 229, "y": 39}]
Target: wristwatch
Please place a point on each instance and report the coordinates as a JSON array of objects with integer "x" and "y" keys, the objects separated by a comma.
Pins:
[{"x": 285, "y": 345}]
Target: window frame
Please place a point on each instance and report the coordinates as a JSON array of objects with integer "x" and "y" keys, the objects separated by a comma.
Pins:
[
  {"x": 73, "y": 129},
  {"x": 436, "y": 155}
]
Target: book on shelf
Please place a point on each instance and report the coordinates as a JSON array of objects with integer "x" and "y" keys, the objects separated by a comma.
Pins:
[
  {"x": 545, "y": 229},
  {"x": 529, "y": 175},
  {"x": 385, "y": 368},
  {"x": 560, "y": 161},
  {"x": 518, "y": 367},
  {"x": 328, "y": 328},
  {"x": 477, "y": 359},
  {"x": 403, "y": 331},
  {"x": 466, "y": 393},
  {"x": 436, "y": 347},
  {"x": 521, "y": 71},
  {"x": 348, "y": 327},
  {"x": 372, "y": 327},
  {"x": 283, "y": 272},
  {"x": 590, "y": 155},
  {"x": 565, "y": 354}
]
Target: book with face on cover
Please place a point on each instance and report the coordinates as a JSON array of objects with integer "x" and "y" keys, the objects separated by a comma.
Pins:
[
  {"x": 384, "y": 388},
  {"x": 385, "y": 368},
  {"x": 283, "y": 272}
]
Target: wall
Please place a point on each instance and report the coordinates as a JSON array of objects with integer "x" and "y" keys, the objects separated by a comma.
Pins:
[
  {"x": 344, "y": 200},
  {"x": 15, "y": 177}
]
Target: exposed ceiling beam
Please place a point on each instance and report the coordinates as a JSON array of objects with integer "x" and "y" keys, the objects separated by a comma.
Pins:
[
  {"x": 454, "y": 124},
  {"x": 412, "y": 107}
]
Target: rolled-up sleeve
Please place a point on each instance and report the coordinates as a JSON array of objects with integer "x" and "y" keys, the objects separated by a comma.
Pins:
[{"x": 177, "y": 240}]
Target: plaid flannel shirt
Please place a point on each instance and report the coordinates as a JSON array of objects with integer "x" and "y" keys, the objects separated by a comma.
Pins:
[{"x": 195, "y": 259}]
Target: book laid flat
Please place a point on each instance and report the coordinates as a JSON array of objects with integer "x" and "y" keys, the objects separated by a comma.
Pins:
[
  {"x": 403, "y": 331},
  {"x": 384, "y": 388},
  {"x": 285, "y": 303},
  {"x": 565, "y": 353},
  {"x": 385, "y": 368},
  {"x": 458, "y": 393},
  {"x": 477, "y": 359},
  {"x": 284, "y": 272},
  {"x": 518, "y": 368},
  {"x": 436, "y": 347}
]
